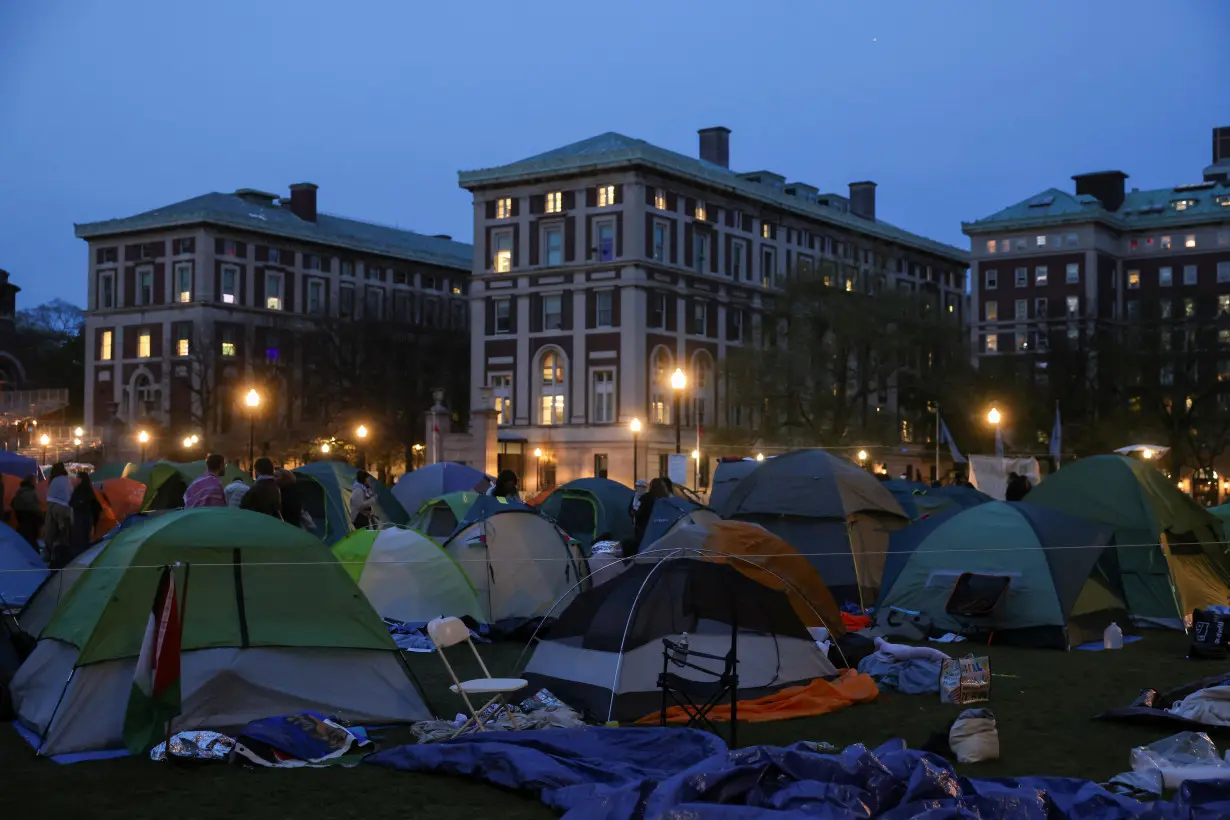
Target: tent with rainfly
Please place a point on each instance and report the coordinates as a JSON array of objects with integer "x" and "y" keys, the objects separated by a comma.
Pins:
[
  {"x": 407, "y": 576},
  {"x": 587, "y": 508},
  {"x": 439, "y": 517},
  {"x": 324, "y": 487},
  {"x": 828, "y": 508},
  {"x": 918, "y": 500},
  {"x": 1064, "y": 583},
  {"x": 417, "y": 487},
  {"x": 272, "y": 625},
  {"x": 671, "y": 513},
  {"x": 1172, "y": 552},
  {"x": 21, "y": 569}
]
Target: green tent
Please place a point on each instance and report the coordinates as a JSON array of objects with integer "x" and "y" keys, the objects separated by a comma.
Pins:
[
  {"x": 440, "y": 516},
  {"x": 407, "y": 576},
  {"x": 1170, "y": 549},
  {"x": 1064, "y": 586},
  {"x": 167, "y": 481},
  {"x": 272, "y": 624},
  {"x": 1221, "y": 511},
  {"x": 587, "y": 508},
  {"x": 116, "y": 469},
  {"x": 324, "y": 488}
]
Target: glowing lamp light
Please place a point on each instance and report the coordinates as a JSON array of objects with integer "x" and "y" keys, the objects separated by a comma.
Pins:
[
  {"x": 253, "y": 399},
  {"x": 78, "y": 432},
  {"x": 537, "y": 452},
  {"x": 195, "y": 438},
  {"x": 1146, "y": 453},
  {"x": 993, "y": 416},
  {"x": 635, "y": 426},
  {"x": 188, "y": 441},
  {"x": 862, "y": 455},
  {"x": 44, "y": 439},
  {"x": 77, "y": 442},
  {"x": 324, "y": 448},
  {"x": 678, "y": 379},
  {"x": 143, "y": 437},
  {"x": 696, "y": 455},
  {"x": 361, "y": 432},
  {"x": 760, "y": 456}
]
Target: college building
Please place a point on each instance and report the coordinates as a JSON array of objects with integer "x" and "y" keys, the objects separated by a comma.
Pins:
[{"x": 602, "y": 267}]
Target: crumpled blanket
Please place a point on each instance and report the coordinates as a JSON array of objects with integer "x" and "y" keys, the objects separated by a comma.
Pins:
[
  {"x": 1209, "y": 706},
  {"x": 555, "y": 717},
  {"x": 909, "y": 677},
  {"x": 291, "y": 741}
]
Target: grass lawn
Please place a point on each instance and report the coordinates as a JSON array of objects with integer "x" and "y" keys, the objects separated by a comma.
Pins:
[{"x": 1043, "y": 700}]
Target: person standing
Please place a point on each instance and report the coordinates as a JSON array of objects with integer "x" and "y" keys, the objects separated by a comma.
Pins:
[
  {"x": 86, "y": 510},
  {"x": 28, "y": 511},
  {"x": 207, "y": 490},
  {"x": 263, "y": 496},
  {"x": 59, "y": 514},
  {"x": 292, "y": 502},
  {"x": 644, "y": 513},
  {"x": 362, "y": 501},
  {"x": 505, "y": 486},
  {"x": 235, "y": 491}
]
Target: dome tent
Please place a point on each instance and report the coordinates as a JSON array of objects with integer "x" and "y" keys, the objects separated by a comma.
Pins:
[
  {"x": 272, "y": 624},
  {"x": 604, "y": 653},
  {"x": 167, "y": 481},
  {"x": 406, "y": 575},
  {"x": 671, "y": 513},
  {"x": 727, "y": 475},
  {"x": 918, "y": 500},
  {"x": 21, "y": 569},
  {"x": 1064, "y": 584},
  {"x": 830, "y": 509},
  {"x": 324, "y": 489},
  {"x": 587, "y": 508},
  {"x": 417, "y": 487},
  {"x": 439, "y": 517}
]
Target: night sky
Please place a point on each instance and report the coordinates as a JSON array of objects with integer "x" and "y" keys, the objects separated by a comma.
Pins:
[{"x": 956, "y": 109}]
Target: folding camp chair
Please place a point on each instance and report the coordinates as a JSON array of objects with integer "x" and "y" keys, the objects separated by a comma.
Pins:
[
  {"x": 697, "y": 698},
  {"x": 446, "y": 632},
  {"x": 977, "y": 598}
]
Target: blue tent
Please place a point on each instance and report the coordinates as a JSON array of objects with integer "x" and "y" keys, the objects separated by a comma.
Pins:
[
  {"x": 21, "y": 568},
  {"x": 670, "y": 511},
  {"x": 416, "y": 488},
  {"x": 486, "y": 506},
  {"x": 20, "y": 466},
  {"x": 919, "y": 500}
]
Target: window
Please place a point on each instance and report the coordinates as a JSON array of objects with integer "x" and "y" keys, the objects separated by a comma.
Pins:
[
  {"x": 768, "y": 266},
  {"x": 1073, "y": 240},
  {"x": 230, "y": 248},
  {"x": 734, "y": 325},
  {"x": 230, "y": 276},
  {"x": 502, "y": 247},
  {"x": 766, "y": 230},
  {"x": 1189, "y": 307},
  {"x": 275, "y": 256},
  {"x": 1165, "y": 243},
  {"x": 373, "y": 273},
  {"x": 106, "y": 291},
  {"x": 104, "y": 346},
  {"x": 273, "y": 291},
  {"x": 553, "y": 243},
  {"x": 1223, "y": 234},
  {"x": 503, "y": 207},
  {"x": 1165, "y": 277},
  {"x": 555, "y": 202},
  {"x": 659, "y": 387},
  {"x": 606, "y": 240},
  {"x": 145, "y": 286},
  {"x": 992, "y": 311},
  {"x": 1182, "y": 204},
  {"x": 182, "y": 246},
  {"x": 1021, "y": 340},
  {"x": 1021, "y": 277},
  {"x": 501, "y": 391},
  {"x": 1074, "y": 335},
  {"x": 183, "y": 281},
  {"x": 347, "y": 267},
  {"x": 403, "y": 306},
  {"x": 1164, "y": 342},
  {"x": 992, "y": 343},
  {"x": 271, "y": 355},
  {"x": 1040, "y": 274},
  {"x": 430, "y": 283},
  {"x": 1132, "y": 245},
  {"x": 991, "y": 246},
  {"x": 105, "y": 256},
  {"x": 603, "y": 313},
  {"x": 1133, "y": 310},
  {"x": 700, "y": 317},
  {"x": 1166, "y": 374},
  {"x": 182, "y": 346},
  {"x": 1166, "y": 308},
  {"x": 738, "y": 255},
  {"x": 657, "y": 310},
  {"x": 701, "y": 213},
  {"x": 1189, "y": 274},
  {"x": 659, "y": 199},
  {"x": 991, "y": 279},
  {"x": 601, "y": 465},
  {"x": 1021, "y": 309},
  {"x": 606, "y": 195},
  {"x": 1073, "y": 305},
  {"x": 553, "y": 312},
  {"x": 1041, "y": 241},
  {"x": 1040, "y": 308},
  {"x": 659, "y": 241},
  {"x": 1072, "y": 273},
  {"x": 503, "y": 315},
  {"x": 315, "y": 297},
  {"x": 700, "y": 251},
  {"x": 374, "y": 307},
  {"x": 228, "y": 342},
  {"x": 1133, "y": 280},
  {"x": 1223, "y": 272},
  {"x": 345, "y": 301},
  {"x": 143, "y": 345},
  {"x": 1189, "y": 241},
  {"x": 603, "y": 401},
  {"x": 551, "y": 399}
]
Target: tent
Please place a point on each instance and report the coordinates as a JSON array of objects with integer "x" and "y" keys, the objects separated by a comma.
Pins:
[
  {"x": 587, "y": 508},
  {"x": 406, "y": 575},
  {"x": 439, "y": 517},
  {"x": 167, "y": 481},
  {"x": 417, "y": 487},
  {"x": 604, "y": 654},
  {"x": 115, "y": 469},
  {"x": 830, "y": 509},
  {"x": 123, "y": 495},
  {"x": 21, "y": 569},
  {"x": 519, "y": 562},
  {"x": 671, "y": 513},
  {"x": 324, "y": 487},
  {"x": 760, "y": 555},
  {"x": 727, "y": 476},
  {"x": 273, "y": 624},
  {"x": 1064, "y": 583},
  {"x": 106, "y": 518},
  {"x": 1172, "y": 553},
  {"x": 918, "y": 500},
  {"x": 18, "y": 465}
]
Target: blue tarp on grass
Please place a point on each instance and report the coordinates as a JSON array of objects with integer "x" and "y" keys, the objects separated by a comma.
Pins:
[{"x": 600, "y": 773}]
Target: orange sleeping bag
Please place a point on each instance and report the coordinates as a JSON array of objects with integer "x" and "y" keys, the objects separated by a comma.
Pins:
[{"x": 816, "y": 698}]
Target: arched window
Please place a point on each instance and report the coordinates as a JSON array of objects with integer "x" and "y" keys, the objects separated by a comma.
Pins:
[
  {"x": 552, "y": 402},
  {"x": 661, "y": 367},
  {"x": 702, "y": 388}
]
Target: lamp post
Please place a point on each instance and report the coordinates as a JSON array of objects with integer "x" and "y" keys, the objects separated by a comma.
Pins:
[
  {"x": 862, "y": 459},
  {"x": 361, "y": 434},
  {"x": 1146, "y": 453},
  {"x": 143, "y": 439},
  {"x": 77, "y": 442},
  {"x": 993, "y": 418},
  {"x": 760, "y": 456},
  {"x": 253, "y": 400},
  {"x": 696, "y": 462},
  {"x": 324, "y": 448},
  {"x": 635, "y": 427},
  {"x": 537, "y": 469},
  {"x": 44, "y": 440},
  {"x": 679, "y": 382}
]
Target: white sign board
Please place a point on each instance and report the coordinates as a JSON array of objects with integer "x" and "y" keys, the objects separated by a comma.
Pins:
[{"x": 677, "y": 469}]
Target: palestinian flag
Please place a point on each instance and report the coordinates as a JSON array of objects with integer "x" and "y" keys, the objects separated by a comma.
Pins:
[{"x": 155, "y": 682}]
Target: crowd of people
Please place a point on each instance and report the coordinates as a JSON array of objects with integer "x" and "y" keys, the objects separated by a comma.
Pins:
[{"x": 66, "y": 526}]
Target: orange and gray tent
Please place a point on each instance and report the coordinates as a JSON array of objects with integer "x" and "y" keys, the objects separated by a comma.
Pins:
[{"x": 829, "y": 509}]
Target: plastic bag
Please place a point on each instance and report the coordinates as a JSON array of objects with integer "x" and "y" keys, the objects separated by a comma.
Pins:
[
  {"x": 973, "y": 736},
  {"x": 1185, "y": 756}
]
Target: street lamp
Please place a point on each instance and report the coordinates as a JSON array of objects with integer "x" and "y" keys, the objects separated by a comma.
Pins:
[
  {"x": 635, "y": 427},
  {"x": 1146, "y": 453},
  {"x": 253, "y": 400},
  {"x": 187, "y": 442},
  {"x": 143, "y": 439},
  {"x": 760, "y": 456},
  {"x": 44, "y": 440},
  {"x": 324, "y": 448},
  {"x": 679, "y": 382},
  {"x": 195, "y": 438},
  {"x": 862, "y": 458},
  {"x": 361, "y": 434},
  {"x": 993, "y": 417}
]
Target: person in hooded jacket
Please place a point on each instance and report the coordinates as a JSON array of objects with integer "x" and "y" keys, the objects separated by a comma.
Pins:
[
  {"x": 28, "y": 511},
  {"x": 644, "y": 514},
  {"x": 86, "y": 510},
  {"x": 505, "y": 486}
]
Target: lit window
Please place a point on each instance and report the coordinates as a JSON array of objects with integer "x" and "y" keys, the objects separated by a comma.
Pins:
[
  {"x": 1165, "y": 276},
  {"x": 503, "y": 252},
  {"x": 553, "y": 242},
  {"x": 700, "y": 211},
  {"x": 766, "y": 231},
  {"x": 992, "y": 343},
  {"x": 503, "y": 207},
  {"x": 271, "y": 355},
  {"x": 501, "y": 391},
  {"x": 228, "y": 349},
  {"x": 1189, "y": 307},
  {"x": 1223, "y": 303},
  {"x": 1074, "y": 334},
  {"x": 1041, "y": 241},
  {"x": 1189, "y": 241},
  {"x": 555, "y": 202},
  {"x": 1165, "y": 243},
  {"x": 659, "y": 199},
  {"x": 849, "y": 285},
  {"x": 1133, "y": 279},
  {"x": 503, "y": 315},
  {"x": 143, "y": 346},
  {"x": 1021, "y": 277},
  {"x": 1189, "y": 274},
  {"x": 1073, "y": 304},
  {"x": 603, "y": 401},
  {"x": 1182, "y": 204},
  {"x": 659, "y": 388},
  {"x": 603, "y": 314},
  {"x": 606, "y": 195},
  {"x": 1166, "y": 306},
  {"x": 552, "y": 312},
  {"x": 1223, "y": 272},
  {"x": 992, "y": 311},
  {"x": 181, "y": 347},
  {"x": 230, "y": 275},
  {"x": 992, "y": 279},
  {"x": 991, "y": 246},
  {"x": 1072, "y": 273},
  {"x": 551, "y": 403},
  {"x": 456, "y": 290},
  {"x": 1022, "y": 341},
  {"x": 104, "y": 346},
  {"x": 183, "y": 281},
  {"x": 1223, "y": 200},
  {"x": 273, "y": 291},
  {"x": 1040, "y": 275}
]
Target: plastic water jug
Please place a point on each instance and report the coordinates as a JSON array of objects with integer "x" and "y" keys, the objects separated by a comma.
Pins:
[{"x": 1112, "y": 638}]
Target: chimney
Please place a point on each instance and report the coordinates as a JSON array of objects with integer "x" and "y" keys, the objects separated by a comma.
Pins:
[
  {"x": 1105, "y": 186},
  {"x": 863, "y": 199},
  {"x": 715, "y": 145},
  {"x": 303, "y": 201},
  {"x": 1219, "y": 171}
]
